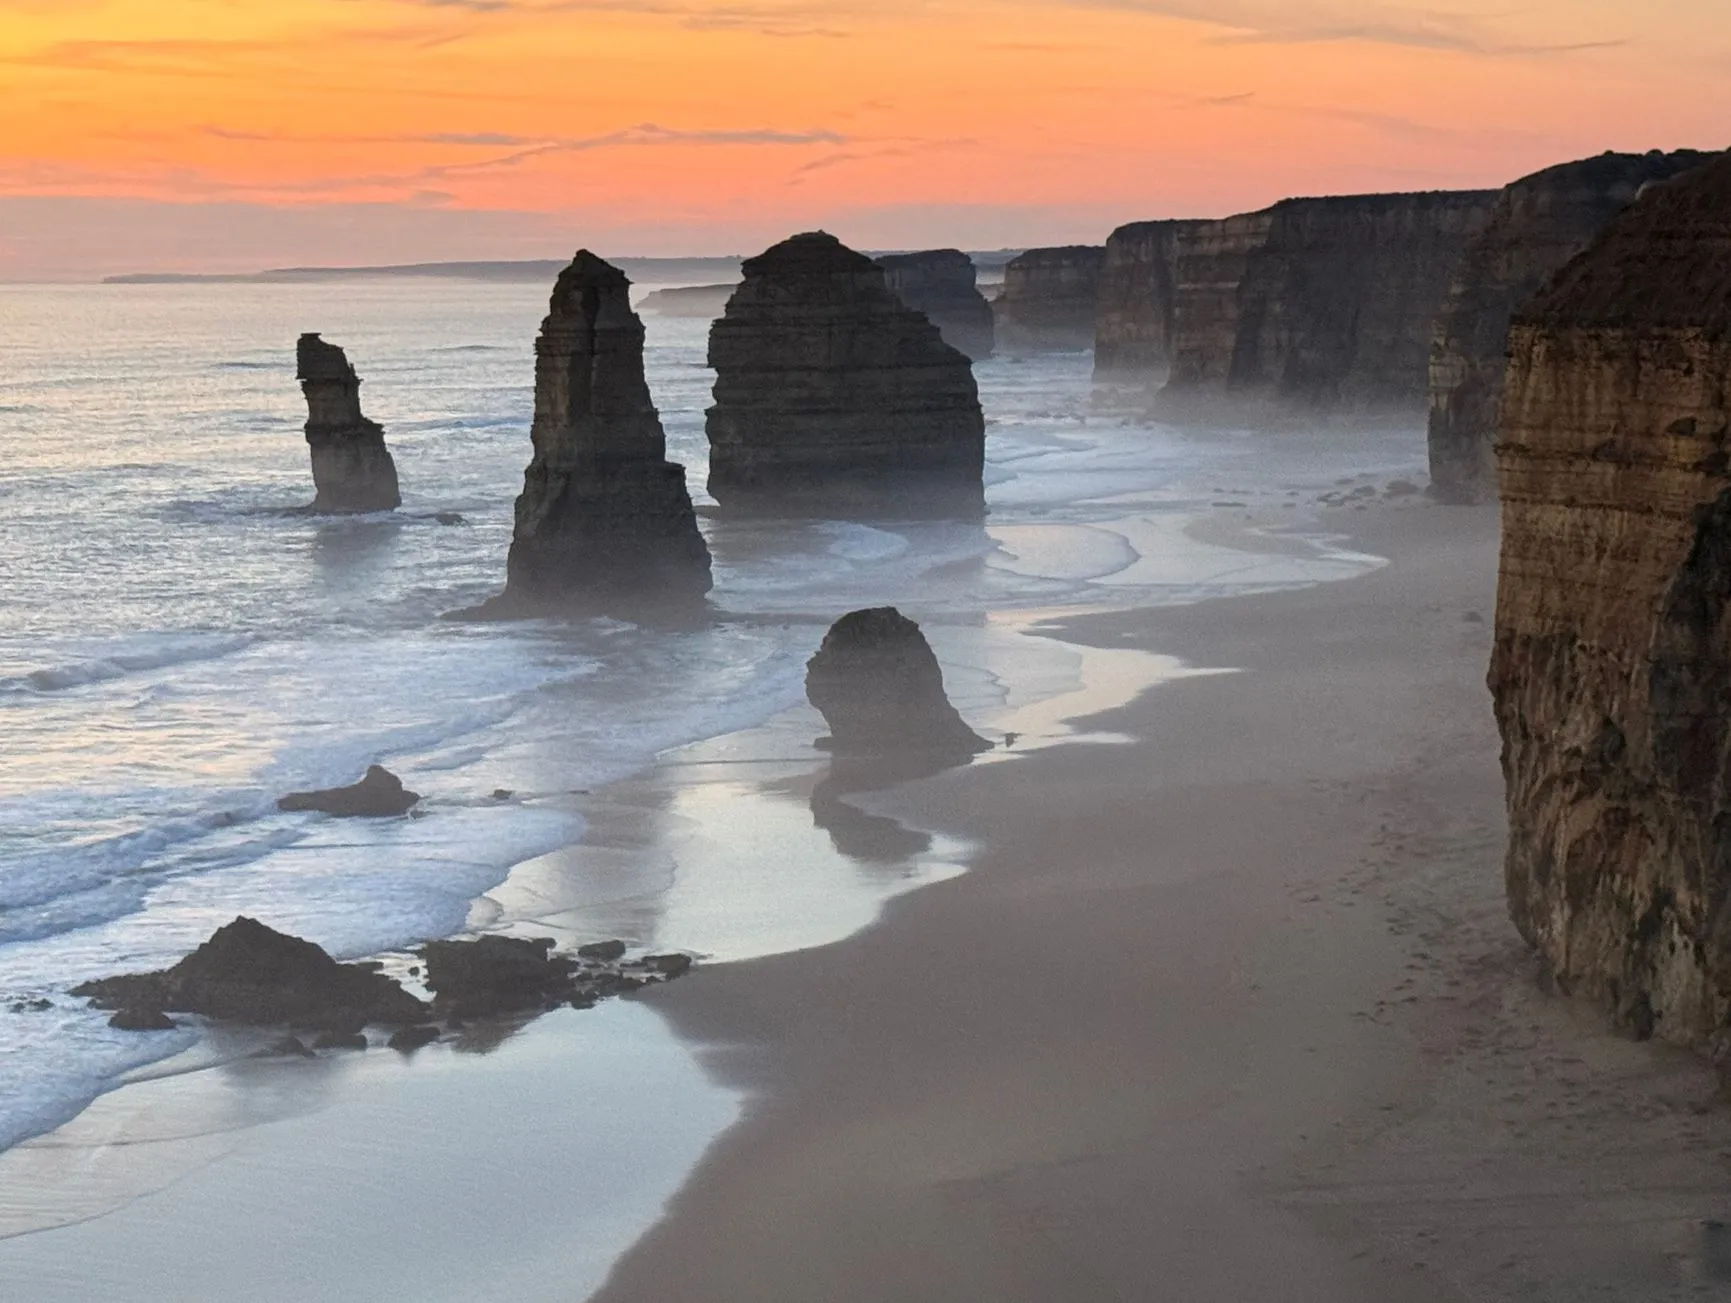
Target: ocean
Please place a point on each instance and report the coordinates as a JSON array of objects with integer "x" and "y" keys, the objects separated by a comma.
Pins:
[{"x": 176, "y": 651}]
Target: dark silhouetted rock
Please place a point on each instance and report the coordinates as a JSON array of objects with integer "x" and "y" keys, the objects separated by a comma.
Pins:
[
  {"x": 407, "y": 1040},
  {"x": 603, "y": 517},
  {"x": 289, "y": 1047},
  {"x": 1540, "y": 222},
  {"x": 135, "y": 1019},
  {"x": 1611, "y": 672},
  {"x": 340, "y": 1041},
  {"x": 379, "y": 795},
  {"x": 669, "y": 966},
  {"x": 1135, "y": 314},
  {"x": 352, "y": 468},
  {"x": 495, "y": 974},
  {"x": 249, "y": 973},
  {"x": 606, "y": 951},
  {"x": 943, "y": 284},
  {"x": 1049, "y": 299},
  {"x": 880, "y": 688},
  {"x": 831, "y": 394}
]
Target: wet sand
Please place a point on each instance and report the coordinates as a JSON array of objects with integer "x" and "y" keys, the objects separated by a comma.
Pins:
[{"x": 1231, "y": 1011}]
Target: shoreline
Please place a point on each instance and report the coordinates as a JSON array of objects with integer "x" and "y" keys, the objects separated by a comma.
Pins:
[{"x": 1230, "y": 1011}]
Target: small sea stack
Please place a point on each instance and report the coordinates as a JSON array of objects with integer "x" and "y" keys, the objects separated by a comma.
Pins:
[
  {"x": 880, "y": 689},
  {"x": 1049, "y": 299},
  {"x": 1611, "y": 672},
  {"x": 832, "y": 395},
  {"x": 352, "y": 468},
  {"x": 944, "y": 284},
  {"x": 1539, "y": 223},
  {"x": 604, "y": 518}
]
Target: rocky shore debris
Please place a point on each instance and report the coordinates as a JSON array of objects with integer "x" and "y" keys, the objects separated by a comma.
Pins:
[
  {"x": 379, "y": 795},
  {"x": 1539, "y": 223},
  {"x": 603, "y": 517},
  {"x": 880, "y": 688},
  {"x": 352, "y": 468},
  {"x": 944, "y": 285},
  {"x": 1611, "y": 668},
  {"x": 832, "y": 395},
  {"x": 249, "y": 973}
]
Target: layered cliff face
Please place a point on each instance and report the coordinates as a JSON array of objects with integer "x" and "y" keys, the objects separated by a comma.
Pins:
[
  {"x": 352, "y": 468},
  {"x": 1612, "y": 668},
  {"x": 943, "y": 284},
  {"x": 1540, "y": 222},
  {"x": 603, "y": 515},
  {"x": 1049, "y": 299},
  {"x": 831, "y": 394},
  {"x": 1137, "y": 301},
  {"x": 1318, "y": 302}
]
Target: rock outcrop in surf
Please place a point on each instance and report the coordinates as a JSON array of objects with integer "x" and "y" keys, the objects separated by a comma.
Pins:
[
  {"x": 352, "y": 468},
  {"x": 944, "y": 284},
  {"x": 880, "y": 689},
  {"x": 1612, "y": 665},
  {"x": 379, "y": 795},
  {"x": 604, "y": 518},
  {"x": 1540, "y": 222},
  {"x": 831, "y": 394},
  {"x": 1049, "y": 299}
]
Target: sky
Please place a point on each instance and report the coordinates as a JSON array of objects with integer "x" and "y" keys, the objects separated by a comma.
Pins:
[{"x": 217, "y": 135}]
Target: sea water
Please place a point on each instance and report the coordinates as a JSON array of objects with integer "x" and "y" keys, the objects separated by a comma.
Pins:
[{"x": 176, "y": 650}]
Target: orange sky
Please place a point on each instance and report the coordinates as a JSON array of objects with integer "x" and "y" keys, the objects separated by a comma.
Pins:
[{"x": 219, "y": 134}]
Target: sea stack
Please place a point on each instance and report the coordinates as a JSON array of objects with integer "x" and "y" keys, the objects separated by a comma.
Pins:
[
  {"x": 1135, "y": 315},
  {"x": 1612, "y": 665},
  {"x": 1317, "y": 303},
  {"x": 352, "y": 468},
  {"x": 831, "y": 394},
  {"x": 1540, "y": 222},
  {"x": 880, "y": 689},
  {"x": 944, "y": 284},
  {"x": 1049, "y": 299},
  {"x": 603, "y": 515}
]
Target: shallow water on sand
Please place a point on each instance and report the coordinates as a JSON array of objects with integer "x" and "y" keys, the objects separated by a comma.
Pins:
[{"x": 175, "y": 652}]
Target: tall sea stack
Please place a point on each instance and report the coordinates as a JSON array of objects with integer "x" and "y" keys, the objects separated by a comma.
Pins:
[
  {"x": 352, "y": 468},
  {"x": 603, "y": 515},
  {"x": 1320, "y": 303},
  {"x": 1540, "y": 222},
  {"x": 1612, "y": 667},
  {"x": 944, "y": 284},
  {"x": 1049, "y": 298},
  {"x": 832, "y": 394}
]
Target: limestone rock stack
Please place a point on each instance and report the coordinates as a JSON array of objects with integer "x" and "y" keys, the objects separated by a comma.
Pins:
[
  {"x": 1137, "y": 301},
  {"x": 1049, "y": 299},
  {"x": 1612, "y": 667},
  {"x": 603, "y": 514},
  {"x": 1540, "y": 222},
  {"x": 832, "y": 394},
  {"x": 880, "y": 689},
  {"x": 1321, "y": 303},
  {"x": 943, "y": 284},
  {"x": 352, "y": 468}
]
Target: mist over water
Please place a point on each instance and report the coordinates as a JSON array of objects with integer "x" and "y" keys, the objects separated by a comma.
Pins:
[{"x": 175, "y": 652}]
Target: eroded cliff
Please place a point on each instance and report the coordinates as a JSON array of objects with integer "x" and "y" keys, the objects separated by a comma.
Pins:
[
  {"x": 1137, "y": 301},
  {"x": 943, "y": 284},
  {"x": 1049, "y": 299},
  {"x": 832, "y": 394},
  {"x": 603, "y": 515},
  {"x": 1539, "y": 223},
  {"x": 352, "y": 469},
  {"x": 1612, "y": 667}
]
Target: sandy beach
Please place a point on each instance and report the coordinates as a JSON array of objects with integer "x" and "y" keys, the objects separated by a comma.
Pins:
[
  {"x": 1223, "y": 1006},
  {"x": 1229, "y": 1012}
]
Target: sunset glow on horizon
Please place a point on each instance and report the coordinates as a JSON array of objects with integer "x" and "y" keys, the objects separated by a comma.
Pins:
[{"x": 227, "y": 134}]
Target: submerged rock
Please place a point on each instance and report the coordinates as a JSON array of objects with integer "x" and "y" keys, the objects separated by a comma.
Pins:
[
  {"x": 832, "y": 394},
  {"x": 880, "y": 688},
  {"x": 1049, "y": 299},
  {"x": 1539, "y": 223},
  {"x": 603, "y": 515},
  {"x": 1611, "y": 672},
  {"x": 380, "y": 794},
  {"x": 136, "y": 1019},
  {"x": 496, "y": 974},
  {"x": 944, "y": 285},
  {"x": 249, "y": 973},
  {"x": 352, "y": 468}
]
